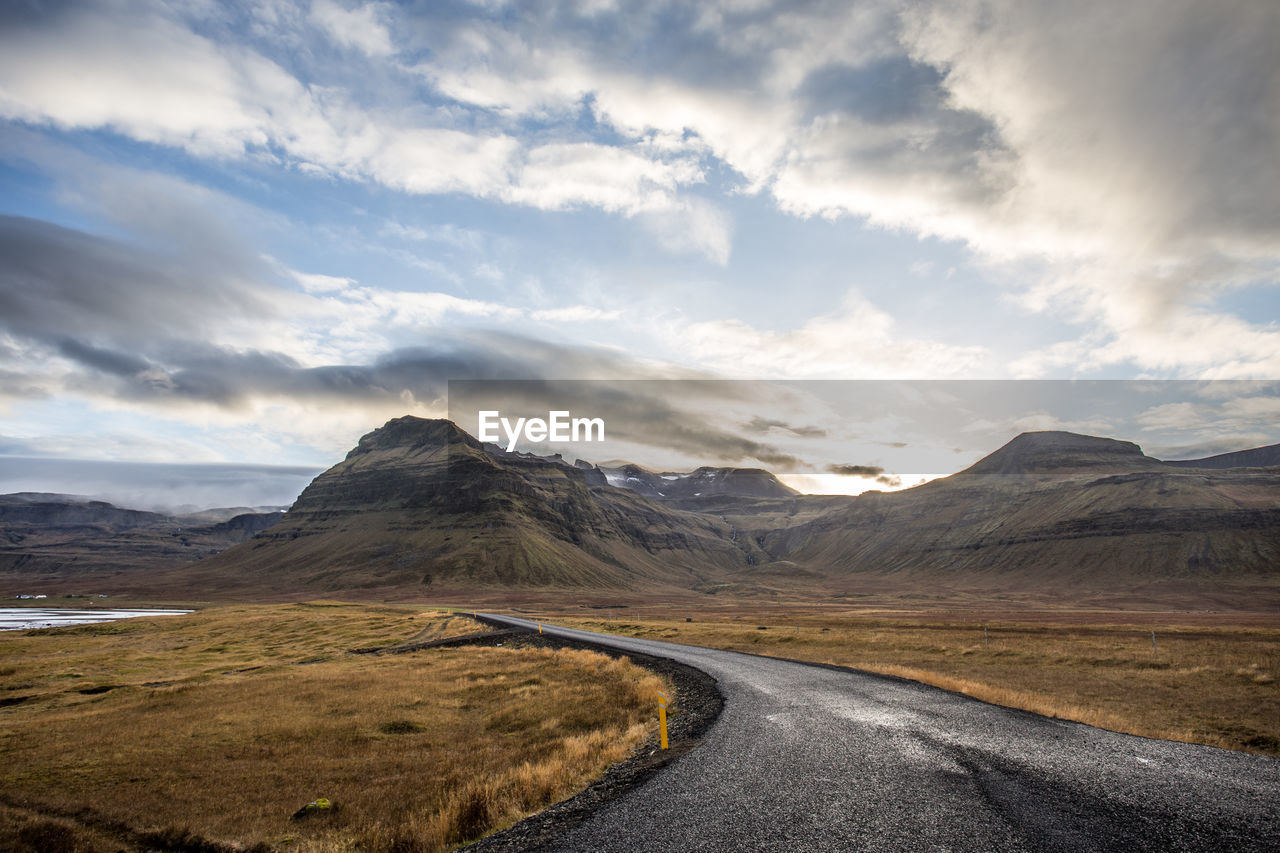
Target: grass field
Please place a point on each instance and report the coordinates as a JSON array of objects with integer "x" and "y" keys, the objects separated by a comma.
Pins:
[
  {"x": 208, "y": 731},
  {"x": 1217, "y": 684}
]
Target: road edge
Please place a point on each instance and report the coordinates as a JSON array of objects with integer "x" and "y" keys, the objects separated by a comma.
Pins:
[{"x": 698, "y": 704}]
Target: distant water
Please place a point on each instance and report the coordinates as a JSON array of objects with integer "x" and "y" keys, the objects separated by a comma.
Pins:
[{"x": 18, "y": 618}]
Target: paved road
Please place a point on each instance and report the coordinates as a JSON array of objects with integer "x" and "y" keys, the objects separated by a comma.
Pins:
[{"x": 811, "y": 759}]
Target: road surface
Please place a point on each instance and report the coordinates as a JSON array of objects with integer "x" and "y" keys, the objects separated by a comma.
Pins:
[{"x": 811, "y": 759}]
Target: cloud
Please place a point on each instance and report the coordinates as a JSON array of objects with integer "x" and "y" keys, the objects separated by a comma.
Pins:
[
  {"x": 56, "y": 283},
  {"x": 318, "y": 283},
  {"x": 692, "y": 226},
  {"x": 1153, "y": 321},
  {"x": 1148, "y": 131},
  {"x": 146, "y": 72},
  {"x": 22, "y": 385},
  {"x": 884, "y": 140},
  {"x": 103, "y": 360},
  {"x": 764, "y": 425},
  {"x": 868, "y": 472},
  {"x": 562, "y": 175},
  {"x": 856, "y": 341},
  {"x": 1142, "y": 167},
  {"x": 428, "y": 160},
  {"x": 360, "y": 28},
  {"x": 575, "y": 314},
  {"x": 856, "y": 470},
  {"x": 1118, "y": 173},
  {"x": 1114, "y": 168},
  {"x": 218, "y": 376},
  {"x": 119, "y": 323},
  {"x": 1218, "y": 417}
]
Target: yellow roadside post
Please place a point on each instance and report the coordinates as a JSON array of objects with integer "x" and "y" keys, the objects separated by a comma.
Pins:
[
  {"x": 662, "y": 720},
  {"x": 539, "y": 627}
]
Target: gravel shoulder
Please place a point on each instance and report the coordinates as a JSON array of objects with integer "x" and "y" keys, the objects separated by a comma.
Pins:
[{"x": 698, "y": 703}]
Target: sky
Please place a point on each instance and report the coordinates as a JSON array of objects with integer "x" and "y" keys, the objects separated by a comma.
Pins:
[
  {"x": 850, "y": 436},
  {"x": 244, "y": 234}
]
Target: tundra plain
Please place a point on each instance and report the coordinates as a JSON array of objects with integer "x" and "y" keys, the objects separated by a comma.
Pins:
[{"x": 209, "y": 731}]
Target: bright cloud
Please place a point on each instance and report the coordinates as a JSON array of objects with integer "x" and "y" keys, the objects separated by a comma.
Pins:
[
  {"x": 856, "y": 342},
  {"x": 259, "y": 208},
  {"x": 150, "y": 77},
  {"x": 360, "y": 28}
]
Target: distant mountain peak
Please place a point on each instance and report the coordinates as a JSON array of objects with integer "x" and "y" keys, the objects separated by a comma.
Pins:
[
  {"x": 704, "y": 482},
  {"x": 1059, "y": 451},
  {"x": 1254, "y": 457}
]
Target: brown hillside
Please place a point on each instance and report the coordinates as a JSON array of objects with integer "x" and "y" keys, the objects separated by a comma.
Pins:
[
  {"x": 1056, "y": 509},
  {"x": 421, "y": 503}
]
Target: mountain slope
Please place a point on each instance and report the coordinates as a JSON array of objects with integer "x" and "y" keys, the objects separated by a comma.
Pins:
[
  {"x": 1062, "y": 454},
  {"x": 1053, "y": 508},
  {"x": 1258, "y": 457},
  {"x": 48, "y": 537},
  {"x": 420, "y": 505},
  {"x": 420, "y": 502}
]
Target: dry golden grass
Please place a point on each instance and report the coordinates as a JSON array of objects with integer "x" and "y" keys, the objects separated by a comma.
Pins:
[
  {"x": 218, "y": 725},
  {"x": 1215, "y": 685}
]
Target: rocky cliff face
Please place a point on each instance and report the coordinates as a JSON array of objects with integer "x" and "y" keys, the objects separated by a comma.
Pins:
[{"x": 421, "y": 502}]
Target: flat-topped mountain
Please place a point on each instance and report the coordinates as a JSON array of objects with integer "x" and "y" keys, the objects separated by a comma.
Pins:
[{"x": 1063, "y": 453}]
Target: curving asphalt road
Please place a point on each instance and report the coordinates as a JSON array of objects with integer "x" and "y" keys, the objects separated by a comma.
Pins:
[{"x": 811, "y": 759}]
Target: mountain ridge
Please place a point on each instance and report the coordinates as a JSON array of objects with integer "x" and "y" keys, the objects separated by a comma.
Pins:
[
  {"x": 1050, "y": 505},
  {"x": 1254, "y": 457},
  {"x": 422, "y": 505},
  {"x": 43, "y": 534}
]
